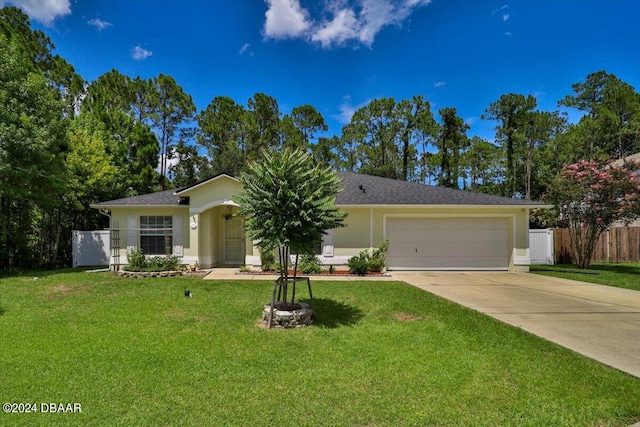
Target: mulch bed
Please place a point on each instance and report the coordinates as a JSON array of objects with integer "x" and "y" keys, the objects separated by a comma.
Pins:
[{"x": 324, "y": 273}]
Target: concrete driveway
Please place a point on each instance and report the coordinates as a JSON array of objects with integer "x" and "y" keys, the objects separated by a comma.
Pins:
[{"x": 600, "y": 322}]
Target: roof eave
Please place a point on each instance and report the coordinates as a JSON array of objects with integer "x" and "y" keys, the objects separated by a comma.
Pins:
[
  {"x": 136, "y": 206},
  {"x": 534, "y": 206},
  {"x": 212, "y": 179}
]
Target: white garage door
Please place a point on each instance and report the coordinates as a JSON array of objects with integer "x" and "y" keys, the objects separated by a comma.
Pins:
[{"x": 448, "y": 243}]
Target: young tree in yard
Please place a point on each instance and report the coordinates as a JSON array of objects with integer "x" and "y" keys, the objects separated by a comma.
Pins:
[
  {"x": 590, "y": 196},
  {"x": 288, "y": 204}
]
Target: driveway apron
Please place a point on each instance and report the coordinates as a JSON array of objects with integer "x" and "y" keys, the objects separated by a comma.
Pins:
[{"x": 600, "y": 322}]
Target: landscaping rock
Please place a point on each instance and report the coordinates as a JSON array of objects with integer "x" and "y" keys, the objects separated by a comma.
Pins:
[
  {"x": 301, "y": 316},
  {"x": 145, "y": 274}
]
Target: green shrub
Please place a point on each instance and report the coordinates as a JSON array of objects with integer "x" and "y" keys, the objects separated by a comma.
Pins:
[
  {"x": 378, "y": 259},
  {"x": 268, "y": 260},
  {"x": 270, "y": 267},
  {"x": 139, "y": 262},
  {"x": 364, "y": 263},
  {"x": 359, "y": 264},
  {"x": 171, "y": 263},
  {"x": 155, "y": 263},
  {"x": 137, "y": 259},
  {"x": 309, "y": 263}
]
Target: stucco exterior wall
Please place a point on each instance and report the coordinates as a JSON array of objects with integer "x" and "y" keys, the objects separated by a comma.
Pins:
[
  {"x": 211, "y": 194},
  {"x": 120, "y": 221},
  {"x": 366, "y": 228}
]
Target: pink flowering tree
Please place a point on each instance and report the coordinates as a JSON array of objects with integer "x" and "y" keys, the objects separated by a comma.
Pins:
[{"x": 590, "y": 196}]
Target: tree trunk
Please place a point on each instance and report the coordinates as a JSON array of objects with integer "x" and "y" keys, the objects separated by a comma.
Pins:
[
  {"x": 4, "y": 231},
  {"x": 528, "y": 180}
]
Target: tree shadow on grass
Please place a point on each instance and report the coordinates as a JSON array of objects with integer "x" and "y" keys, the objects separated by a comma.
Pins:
[
  {"x": 333, "y": 314},
  {"x": 2, "y": 311}
]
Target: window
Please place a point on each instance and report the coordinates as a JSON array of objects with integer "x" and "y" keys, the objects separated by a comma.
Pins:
[{"x": 156, "y": 235}]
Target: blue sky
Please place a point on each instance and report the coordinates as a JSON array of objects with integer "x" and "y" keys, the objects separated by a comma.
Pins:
[{"x": 340, "y": 54}]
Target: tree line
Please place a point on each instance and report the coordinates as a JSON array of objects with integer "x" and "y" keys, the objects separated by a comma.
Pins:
[{"x": 66, "y": 143}]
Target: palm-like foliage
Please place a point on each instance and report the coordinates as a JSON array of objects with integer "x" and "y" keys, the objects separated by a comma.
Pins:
[{"x": 289, "y": 204}]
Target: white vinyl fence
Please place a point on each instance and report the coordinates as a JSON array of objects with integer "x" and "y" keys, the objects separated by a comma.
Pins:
[
  {"x": 541, "y": 246},
  {"x": 90, "y": 248}
]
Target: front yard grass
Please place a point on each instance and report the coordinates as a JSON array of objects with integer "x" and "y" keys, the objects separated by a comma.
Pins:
[
  {"x": 623, "y": 275},
  {"x": 137, "y": 352}
]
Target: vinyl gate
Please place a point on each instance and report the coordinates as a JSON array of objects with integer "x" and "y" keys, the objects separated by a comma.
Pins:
[
  {"x": 90, "y": 248},
  {"x": 541, "y": 246}
]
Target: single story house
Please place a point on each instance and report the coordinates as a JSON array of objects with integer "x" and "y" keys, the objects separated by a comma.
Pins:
[{"x": 428, "y": 227}]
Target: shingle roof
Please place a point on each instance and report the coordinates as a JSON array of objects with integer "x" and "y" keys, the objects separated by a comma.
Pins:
[
  {"x": 359, "y": 189},
  {"x": 162, "y": 198},
  {"x": 632, "y": 158},
  {"x": 385, "y": 191}
]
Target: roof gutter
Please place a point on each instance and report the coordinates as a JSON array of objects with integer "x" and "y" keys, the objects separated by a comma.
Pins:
[
  {"x": 108, "y": 207},
  {"x": 533, "y": 206}
]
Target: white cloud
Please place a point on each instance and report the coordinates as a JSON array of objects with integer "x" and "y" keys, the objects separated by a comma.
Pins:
[
  {"x": 139, "y": 53},
  {"x": 99, "y": 23},
  {"x": 500, "y": 9},
  {"x": 340, "y": 21},
  {"x": 285, "y": 19},
  {"x": 375, "y": 15},
  {"x": 505, "y": 17},
  {"x": 439, "y": 84},
  {"x": 508, "y": 34},
  {"x": 45, "y": 11},
  {"x": 343, "y": 27},
  {"x": 244, "y": 48},
  {"x": 347, "y": 110}
]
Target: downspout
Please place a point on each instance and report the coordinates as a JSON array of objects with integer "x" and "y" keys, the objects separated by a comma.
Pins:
[
  {"x": 370, "y": 231},
  {"x": 105, "y": 213}
]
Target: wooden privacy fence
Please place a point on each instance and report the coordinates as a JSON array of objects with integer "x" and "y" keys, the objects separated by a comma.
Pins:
[{"x": 618, "y": 244}]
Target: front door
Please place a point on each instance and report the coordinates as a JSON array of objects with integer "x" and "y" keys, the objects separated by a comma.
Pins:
[{"x": 234, "y": 241}]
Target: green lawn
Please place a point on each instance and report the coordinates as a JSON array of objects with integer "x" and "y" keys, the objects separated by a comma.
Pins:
[
  {"x": 625, "y": 275},
  {"x": 137, "y": 352}
]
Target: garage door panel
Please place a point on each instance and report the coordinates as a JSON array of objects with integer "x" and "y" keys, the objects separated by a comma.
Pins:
[
  {"x": 417, "y": 237},
  {"x": 448, "y": 250},
  {"x": 445, "y": 223},
  {"x": 449, "y": 262},
  {"x": 434, "y": 243}
]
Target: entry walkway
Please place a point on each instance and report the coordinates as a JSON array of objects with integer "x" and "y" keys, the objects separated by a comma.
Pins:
[{"x": 600, "y": 322}]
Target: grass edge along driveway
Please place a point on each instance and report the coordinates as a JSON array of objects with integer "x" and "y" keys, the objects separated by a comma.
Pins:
[
  {"x": 137, "y": 352},
  {"x": 621, "y": 275}
]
